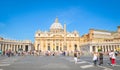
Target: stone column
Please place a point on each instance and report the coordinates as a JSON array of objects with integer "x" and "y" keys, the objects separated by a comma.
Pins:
[
  {"x": 5, "y": 47},
  {"x": 45, "y": 45},
  {"x": 13, "y": 47},
  {"x": 55, "y": 47},
  {"x": 0, "y": 46},
  {"x": 77, "y": 46},
  {"x": 9, "y": 46},
  {"x": 51, "y": 45},
  {"x": 91, "y": 48},
  {"x": 42, "y": 46},
  {"x": 59, "y": 46},
  {"x": 114, "y": 47},
  {"x": 109, "y": 47},
  {"x": 68, "y": 47},
  {"x": 29, "y": 47},
  {"x": 24, "y": 47},
  {"x": 96, "y": 48},
  {"x": 17, "y": 47},
  {"x": 62, "y": 46}
]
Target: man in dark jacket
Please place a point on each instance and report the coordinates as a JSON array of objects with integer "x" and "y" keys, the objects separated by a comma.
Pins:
[{"x": 100, "y": 58}]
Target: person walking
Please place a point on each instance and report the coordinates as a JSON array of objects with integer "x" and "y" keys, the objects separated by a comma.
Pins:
[
  {"x": 0, "y": 52},
  {"x": 95, "y": 58},
  {"x": 113, "y": 58},
  {"x": 75, "y": 57},
  {"x": 100, "y": 58}
]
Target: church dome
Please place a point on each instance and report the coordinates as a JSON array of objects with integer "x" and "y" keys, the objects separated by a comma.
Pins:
[{"x": 56, "y": 25}]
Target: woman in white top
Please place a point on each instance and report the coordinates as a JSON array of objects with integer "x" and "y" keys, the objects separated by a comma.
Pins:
[
  {"x": 112, "y": 55},
  {"x": 95, "y": 58}
]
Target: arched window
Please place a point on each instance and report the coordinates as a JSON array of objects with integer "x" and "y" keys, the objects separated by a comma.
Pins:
[{"x": 39, "y": 34}]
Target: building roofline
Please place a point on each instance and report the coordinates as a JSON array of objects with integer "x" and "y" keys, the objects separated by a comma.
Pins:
[{"x": 103, "y": 30}]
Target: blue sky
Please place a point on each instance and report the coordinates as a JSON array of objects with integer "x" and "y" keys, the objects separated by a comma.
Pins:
[{"x": 20, "y": 19}]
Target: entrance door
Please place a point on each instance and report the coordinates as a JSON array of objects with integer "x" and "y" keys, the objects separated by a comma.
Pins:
[
  {"x": 60, "y": 48},
  {"x": 57, "y": 48},
  {"x": 26, "y": 48},
  {"x": 49, "y": 48},
  {"x": 93, "y": 48},
  {"x": 75, "y": 47}
]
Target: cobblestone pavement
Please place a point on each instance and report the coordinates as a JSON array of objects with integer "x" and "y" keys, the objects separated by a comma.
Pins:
[{"x": 53, "y": 63}]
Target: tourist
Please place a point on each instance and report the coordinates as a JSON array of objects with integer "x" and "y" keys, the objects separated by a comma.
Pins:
[
  {"x": 95, "y": 58},
  {"x": 112, "y": 58},
  {"x": 0, "y": 52},
  {"x": 75, "y": 57},
  {"x": 100, "y": 58}
]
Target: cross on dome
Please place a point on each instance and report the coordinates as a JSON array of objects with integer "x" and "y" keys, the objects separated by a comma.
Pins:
[{"x": 56, "y": 20}]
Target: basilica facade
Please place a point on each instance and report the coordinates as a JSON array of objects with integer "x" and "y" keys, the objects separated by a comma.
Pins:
[{"x": 57, "y": 39}]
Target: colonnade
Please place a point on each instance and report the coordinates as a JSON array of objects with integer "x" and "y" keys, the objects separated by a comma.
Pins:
[
  {"x": 14, "y": 47},
  {"x": 104, "y": 47}
]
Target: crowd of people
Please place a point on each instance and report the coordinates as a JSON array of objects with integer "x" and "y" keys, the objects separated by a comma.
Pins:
[
  {"x": 10, "y": 53},
  {"x": 98, "y": 57}
]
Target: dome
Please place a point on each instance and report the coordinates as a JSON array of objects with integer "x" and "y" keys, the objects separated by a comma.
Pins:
[{"x": 56, "y": 25}]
